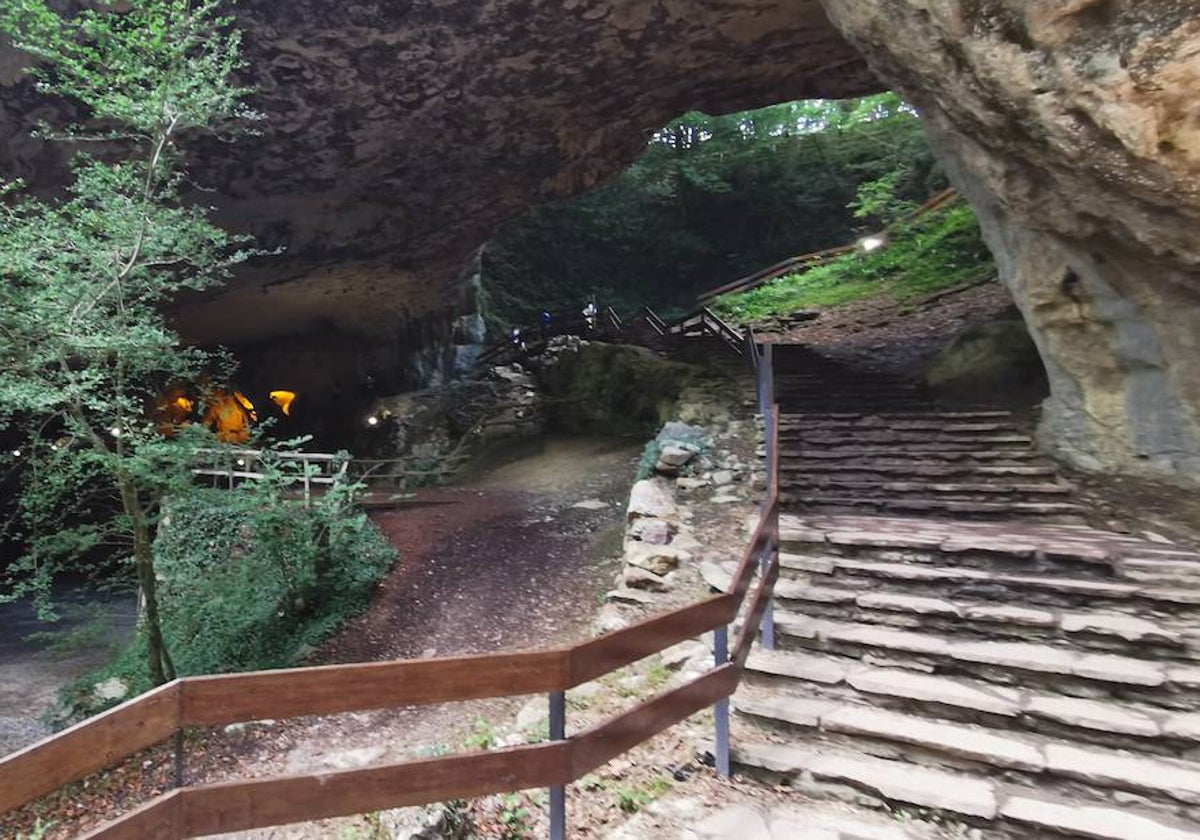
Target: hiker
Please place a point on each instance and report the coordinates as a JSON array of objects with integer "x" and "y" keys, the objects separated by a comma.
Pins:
[
  {"x": 546, "y": 319},
  {"x": 517, "y": 340},
  {"x": 589, "y": 315}
]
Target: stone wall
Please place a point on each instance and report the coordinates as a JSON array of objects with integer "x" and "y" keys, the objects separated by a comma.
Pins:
[{"x": 1071, "y": 126}]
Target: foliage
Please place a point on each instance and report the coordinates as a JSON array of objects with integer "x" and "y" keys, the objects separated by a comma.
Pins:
[
  {"x": 250, "y": 577},
  {"x": 936, "y": 251},
  {"x": 650, "y": 455},
  {"x": 633, "y": 799},
  {"x": 484, "y": 736},
  {"x": 515, "y": 820},
  {"x": 84, "y": 350},
  {"x": 713, "y": 198}
]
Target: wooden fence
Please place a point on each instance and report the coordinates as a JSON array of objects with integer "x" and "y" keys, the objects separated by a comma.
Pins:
[
  {"x": 804, "y": 262},
  {"x": 109, "y": 738}
]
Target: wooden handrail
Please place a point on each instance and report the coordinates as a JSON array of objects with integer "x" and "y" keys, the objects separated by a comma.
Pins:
[
  {"x": 223, "y": 699},
  {"x": 816, "y": 258}
]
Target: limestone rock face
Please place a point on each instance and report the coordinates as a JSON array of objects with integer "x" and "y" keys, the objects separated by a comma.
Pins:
[
  {"x": 1072, "y": 127},
  {"x": 400, "y": 133}
]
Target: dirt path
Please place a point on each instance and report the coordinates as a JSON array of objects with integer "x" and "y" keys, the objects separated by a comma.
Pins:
[{"x": 503, "y": 563}]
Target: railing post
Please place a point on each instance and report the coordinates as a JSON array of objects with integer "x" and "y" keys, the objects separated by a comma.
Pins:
[
  {"x": 770, "y": 413},
  {"x": 558, "y": 794},
  {"x": 721, "y": 710}
]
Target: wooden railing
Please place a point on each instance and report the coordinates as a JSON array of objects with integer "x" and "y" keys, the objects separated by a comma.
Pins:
[
  {"x": 109, "y": 738},
  {"x": 308, "y": 468},
  {"x": 804, "y": 262}
]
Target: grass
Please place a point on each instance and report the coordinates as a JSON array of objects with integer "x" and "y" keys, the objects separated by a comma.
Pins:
[{"x": 937, "y": 251}]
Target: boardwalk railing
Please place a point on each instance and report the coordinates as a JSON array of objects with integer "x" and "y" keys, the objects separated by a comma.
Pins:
[
  {"x": 156, "y": 716},
  {"x": 804, "y": 262},
  {"x": 309, "y": 468}
]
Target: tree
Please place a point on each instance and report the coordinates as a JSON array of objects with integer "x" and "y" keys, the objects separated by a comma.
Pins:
[{"x": 85, "y": 353}]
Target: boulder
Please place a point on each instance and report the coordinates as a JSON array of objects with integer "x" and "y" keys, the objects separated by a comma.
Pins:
[
  {"x": 635, "y": 577},
  {"x": 651, "y": 531},
  {"x": 651, "y": 498},
  {"x": 655, "y": 558}
]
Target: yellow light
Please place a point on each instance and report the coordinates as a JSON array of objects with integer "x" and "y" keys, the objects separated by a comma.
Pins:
[
  {"x": 284, "y": 400},
  {"x": 241, "y": 398},
  {"x": 186, "y": 404}
]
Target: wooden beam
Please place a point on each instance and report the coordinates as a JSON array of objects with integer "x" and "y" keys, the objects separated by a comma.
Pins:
[
  {"x": 606, "y": 741},
  {"x": 89, "y": 746},
  {"x": 159, "y": 819},
  {"x": 231, "y": 698},
  {"x": 238, "y": 806},
  {"x": 624, "y": 647}
]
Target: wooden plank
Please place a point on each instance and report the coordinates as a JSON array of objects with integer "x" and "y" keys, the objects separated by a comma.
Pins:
[
  {"x": 159, "y": 819},
  {"x": 237, "y": 806},
  {"x": 89, "y": 746},
  {"x": 615, "y": 650},
  {"x": 601, "y": 743},
  {"x": 766, "y": 532},
  {"x": 758, "y": 607},
  {"x": 230, "y": 698}
]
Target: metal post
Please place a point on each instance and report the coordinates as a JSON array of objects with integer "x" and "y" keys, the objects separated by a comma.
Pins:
[
  {"x": 768, "y": 619},
  {"x": 558, "y": 795},
  {"x": 721, "y": 710}
]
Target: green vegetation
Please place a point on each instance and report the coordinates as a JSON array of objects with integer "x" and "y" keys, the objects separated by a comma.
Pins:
[
  {"x": 936, "y": 251},
  {"x": 84, "y": 349},
  {"x": 250, "y": 578},
  {"x": 712, "y": 199},
  {"x": 633, "y": 799}
]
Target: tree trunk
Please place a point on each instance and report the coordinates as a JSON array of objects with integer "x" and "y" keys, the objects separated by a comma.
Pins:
[{"x": 162, "y": 669}]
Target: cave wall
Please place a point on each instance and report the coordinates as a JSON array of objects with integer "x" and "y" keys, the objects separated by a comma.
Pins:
[{"x": 1073, "y": 127}]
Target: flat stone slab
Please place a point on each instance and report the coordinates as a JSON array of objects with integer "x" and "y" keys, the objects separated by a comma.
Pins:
[
  {"x": 896, "y": 682},
  {"x": 1128, "y": 627},
  {"x": 1093, "y": 821},
  {"x": 908, "y": 603},
  {"x": 1177, "y": 779},
  {"x": 742, "y": 822},
  {"x": 793, "y": 710},
  {"x": 798, "y": 666},
  {"x": 1093, "y": 714},
  {"x": 909, "y": 783},
  {"x": 960, "y": 740}
]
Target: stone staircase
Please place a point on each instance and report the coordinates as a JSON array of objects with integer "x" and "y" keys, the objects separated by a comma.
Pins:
[
  {"x": 1030, "y": 679},
  {"x": 854, "y": 442}
]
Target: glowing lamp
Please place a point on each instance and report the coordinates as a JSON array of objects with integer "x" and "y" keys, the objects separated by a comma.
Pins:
[
  {"x": 372, "y": 420},
  {"x": 16, "y": 453},
  {"x": 872, "y": 243},
  {"x": 284, "y": 400},
  {"x": 115, "y": 431}
]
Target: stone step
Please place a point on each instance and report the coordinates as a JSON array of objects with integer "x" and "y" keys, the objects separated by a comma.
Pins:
[
  {"x": 1059, "y": 669},
  {"x": 915, "y": 452},
  {"x": 1042, "y": 590},
  {"x": 949, "y": 416},
  {"x": 1107, "y": 722},
  {"x": 892, "y": 438},
  {"x": 811, "y": 483},
  {"x": 898, "y": 423},
  {"x": 871, "y": 469},
  {"x": 964, "y": 508},
  {"x": 1103, "y": 630},
  {"x": 961, "y": 795},
  {"x": 1043, "y": 761}
]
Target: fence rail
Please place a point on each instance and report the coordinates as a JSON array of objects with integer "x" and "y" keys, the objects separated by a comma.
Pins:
[
  {"x": 154, "y": 717},
  {"x": 804, "y": 262}
]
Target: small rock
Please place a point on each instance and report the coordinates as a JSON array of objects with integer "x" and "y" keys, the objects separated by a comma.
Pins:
[
  {"x": 652, "y": 498},
  {"x": 590, "y": 504},
  {"x": 655, "y": 558},
  {"x": 625, "y": 595},
  {"x": 675, "y": 456},
  {"x": 113, "y": 688},
  {"x": 723, "y": 477},
  {"x": 635, "y": 577},
  {"x": 532, "y": 714},
  {"x": 652, "y": 531},
  {"x": 687, "y": 483},
  {"x": 610, "y": 619}
]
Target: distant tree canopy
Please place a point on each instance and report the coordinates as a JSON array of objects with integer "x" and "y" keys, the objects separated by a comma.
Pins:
[{"x": 714, "y": 198}]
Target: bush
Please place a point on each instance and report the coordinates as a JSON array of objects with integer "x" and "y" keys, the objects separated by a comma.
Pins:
[
  {"x": 249, "y": 577},
  {"x": 936, "y": 251}
]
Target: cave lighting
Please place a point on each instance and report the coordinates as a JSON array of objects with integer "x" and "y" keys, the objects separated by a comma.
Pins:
[
  {"x": 241, "y": 462},
  {"x": 185, "y": 404},
  {"x": 284, "y": 400},
  {"x": 115, "y": 431},
  {"x": 16, "y": 453},
  {"x": 372, "y": 420},
  {"x": 872, "y": 243},
  {"x": 245, "y": 403}
]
